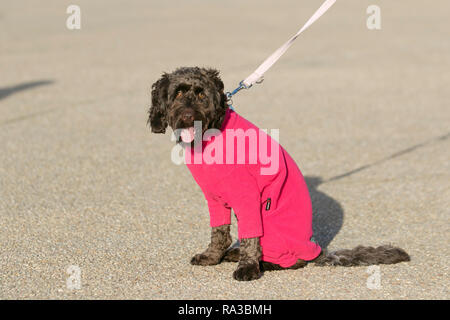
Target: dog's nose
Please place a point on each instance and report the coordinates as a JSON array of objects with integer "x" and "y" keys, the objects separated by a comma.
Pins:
[{"x": 188, "y": 116}]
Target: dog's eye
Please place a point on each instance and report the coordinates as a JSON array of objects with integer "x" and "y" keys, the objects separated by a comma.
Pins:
[
  {"x": 201, "y": 95},
  {"x": 179, "y": 94}
]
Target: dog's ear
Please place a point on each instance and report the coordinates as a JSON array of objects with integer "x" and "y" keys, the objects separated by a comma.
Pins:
[
  {"x": 158, "y": 111},
  {"x": 215, "y": 78}
]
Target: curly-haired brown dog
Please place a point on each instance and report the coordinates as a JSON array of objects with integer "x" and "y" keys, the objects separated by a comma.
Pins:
[{"x": 197, "y": 94}]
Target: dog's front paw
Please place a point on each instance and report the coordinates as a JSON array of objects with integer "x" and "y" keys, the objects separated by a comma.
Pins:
[
  {"x": 247, "y": 272},
  {"x": 202, "y": 259}
]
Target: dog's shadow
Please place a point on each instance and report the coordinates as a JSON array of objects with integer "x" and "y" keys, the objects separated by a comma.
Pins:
[
  {"x": 7, "y": 91},
  {"x": 328, "y": 215}
]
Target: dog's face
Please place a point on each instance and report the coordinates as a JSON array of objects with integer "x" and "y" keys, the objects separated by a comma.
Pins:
[{"x": 185, "y": 96}]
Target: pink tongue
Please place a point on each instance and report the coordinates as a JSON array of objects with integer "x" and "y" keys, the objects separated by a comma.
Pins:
[{"x": 187, "y": 135}]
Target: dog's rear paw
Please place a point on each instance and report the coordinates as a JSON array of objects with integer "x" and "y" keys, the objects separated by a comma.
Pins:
[
  {"x": 204, "y": 260},
  {"x": 247, "y": 272}
]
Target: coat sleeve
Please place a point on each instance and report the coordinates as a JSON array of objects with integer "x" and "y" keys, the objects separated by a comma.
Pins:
[
  {"x": 219, "y": 211},
  {"x": 243, "y": 195}
]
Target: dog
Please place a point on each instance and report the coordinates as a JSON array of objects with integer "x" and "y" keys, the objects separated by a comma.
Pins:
[{"x": 273, "y": 209}]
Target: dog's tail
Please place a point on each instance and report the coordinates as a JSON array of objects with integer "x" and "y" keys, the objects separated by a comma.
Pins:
[{"x": 362, "y": 256}]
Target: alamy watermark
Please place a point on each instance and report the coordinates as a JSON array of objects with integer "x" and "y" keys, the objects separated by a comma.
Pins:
[
  {"x": 373, "y": 21},
  {"x": 73, "y": 282},
  {"x": 232, "y": 146},
  {"x": 73, "y": 22},
  {"x": 374, "y": 280}
]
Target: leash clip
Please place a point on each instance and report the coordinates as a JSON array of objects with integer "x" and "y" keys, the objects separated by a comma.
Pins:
[{"x": 241, "y": 86}]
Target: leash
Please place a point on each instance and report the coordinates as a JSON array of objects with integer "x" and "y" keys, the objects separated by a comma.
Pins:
[{"x": 257, "y": 75}]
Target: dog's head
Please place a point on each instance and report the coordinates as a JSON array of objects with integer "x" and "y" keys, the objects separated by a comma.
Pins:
[{"x": 187, "y": 95}]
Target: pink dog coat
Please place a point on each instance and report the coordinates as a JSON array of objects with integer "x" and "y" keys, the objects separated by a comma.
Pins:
[{"x": 275, "y": 207}]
